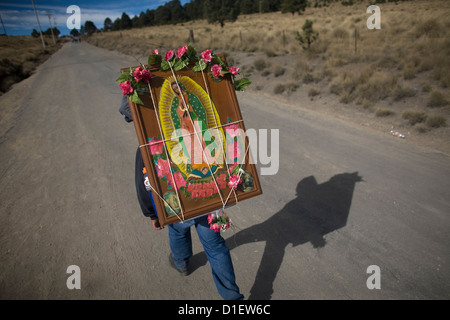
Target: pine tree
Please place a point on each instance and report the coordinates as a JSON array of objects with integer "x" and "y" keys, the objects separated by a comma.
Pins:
[
  {"x": 308, "y": 36},
  {"x": 125, "y": 22},
  {"x": 107, "y": 25},
  {"x": 221, "y": 11},
  {"x": 293, "y": 6}
]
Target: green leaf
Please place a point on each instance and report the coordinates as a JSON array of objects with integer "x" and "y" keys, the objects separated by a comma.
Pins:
[
  {"x": 165, "y": 65},
  {"x": 235, "y": 170},
  {"x": 242, "y": 84},
  {"x": 180, "y": 64},
  {"x": 124, "y": 76},
  {"x": 154, "y": 59},
  {"x": 200, "y": 66},
  {"x": 135, "y": 98},
  {"x": 218, "y": 60},
  {"x": 191, "y": 52}
]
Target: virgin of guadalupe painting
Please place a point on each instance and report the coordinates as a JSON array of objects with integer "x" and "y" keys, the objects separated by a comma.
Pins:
[
  {"x": 189, "y": 119},
  {"x": 187, "y": 127}
]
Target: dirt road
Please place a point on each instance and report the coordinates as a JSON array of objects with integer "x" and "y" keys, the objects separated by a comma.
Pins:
[{"x": 344, "y": 198}]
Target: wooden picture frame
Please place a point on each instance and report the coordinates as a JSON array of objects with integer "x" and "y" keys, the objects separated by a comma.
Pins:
[{"x": 168, "y": 144}]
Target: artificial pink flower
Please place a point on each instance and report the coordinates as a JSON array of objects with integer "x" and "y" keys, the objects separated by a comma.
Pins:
[
  {"x": 215, "y": 227},
  {"x": 216, "y": 223},
  {"x": 169, "y": 55},
  {"x": 126, "y": 87},
  {"x": 137, "y": 74},
  {"x": 146, "y": 75},
  {"x": 181, "y": 51},
  {"x": 217, "y": 70},
  {"x": 156, "y": 146},
  {"x": 142, "y": 74},
  {"x": 155, "y": 52},
  {"x": 207, "y": 56},
  {"x": 235, "y": 180},
  {"x": 234, "y": 70}
]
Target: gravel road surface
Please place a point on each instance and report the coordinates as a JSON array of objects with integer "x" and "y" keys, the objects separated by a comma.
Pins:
[{"x": 343, "y": 199}]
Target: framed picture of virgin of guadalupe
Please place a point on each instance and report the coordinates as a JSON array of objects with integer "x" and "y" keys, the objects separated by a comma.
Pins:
[{"x": 191, "y": 133}]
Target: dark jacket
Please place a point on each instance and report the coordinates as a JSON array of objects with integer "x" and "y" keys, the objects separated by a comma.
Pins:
[{"x": 143, "y": 189}]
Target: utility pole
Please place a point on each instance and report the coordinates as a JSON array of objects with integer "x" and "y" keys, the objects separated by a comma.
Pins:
[
  {"x": 39, "y": 25},
  {"x": 4, "y": 30},
  {"x": 49, "y": 15}
]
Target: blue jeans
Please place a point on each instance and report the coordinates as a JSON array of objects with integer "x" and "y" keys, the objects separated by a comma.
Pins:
[{"x": 215, "y": 248}]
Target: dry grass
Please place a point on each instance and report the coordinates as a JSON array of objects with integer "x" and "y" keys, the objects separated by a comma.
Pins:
[
  {"x": 400, "y": 65},
  {"x": 19, "y": 56}
]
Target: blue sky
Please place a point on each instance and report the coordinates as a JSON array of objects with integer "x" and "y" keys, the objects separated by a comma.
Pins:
[{"x": 19, "y": 18}]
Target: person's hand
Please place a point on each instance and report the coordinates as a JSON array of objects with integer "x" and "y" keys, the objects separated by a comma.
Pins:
[{"x": 156, "y": 225}]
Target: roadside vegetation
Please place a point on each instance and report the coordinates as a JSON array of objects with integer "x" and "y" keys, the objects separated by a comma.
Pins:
[
  {"x": 19, "y": 57},
  {"x": 327, "y": 51}
]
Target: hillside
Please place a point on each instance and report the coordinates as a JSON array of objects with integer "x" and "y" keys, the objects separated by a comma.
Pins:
[
  {"x": 19, "y": 57},
  {"x": 394, "y": 78}
]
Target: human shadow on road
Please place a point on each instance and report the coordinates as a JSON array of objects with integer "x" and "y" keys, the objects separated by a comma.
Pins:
[{"x": 317, "y": 210}]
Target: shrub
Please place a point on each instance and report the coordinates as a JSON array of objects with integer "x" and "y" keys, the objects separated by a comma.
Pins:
[
  {"x": 382, "y": 112},
  {"x": 312, "y": 92},
  {"x": 430, "y": 28},
  {"x": 436, "y": 121},
  {"x": 346, "y": 97},
  {"x": 426, "y": 87},
  {"x": 260, "y": 64},
  {"x": 378, "y": 87},
  {"x": 288, "y": 87},
  {"x": 279, "y": 71},
  {"x": 437, "y": 99},
  {"x": 336, "y": 89},
  {"x": 340, "y": 33},
  {"x": 308, "y": 78},
  {"x": 409, "y": 73},
  {"x": 414, "y": 117},
  {"x": 291, "y": 87},
  {"x": 401, "y": 93},
  {"x": 279, "y": 89}
]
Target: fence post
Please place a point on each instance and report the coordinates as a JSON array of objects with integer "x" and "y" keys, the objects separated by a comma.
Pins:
[{"x": 191, "y": 36}]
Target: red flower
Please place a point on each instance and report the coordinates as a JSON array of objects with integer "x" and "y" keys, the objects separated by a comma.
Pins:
[
  {"x": 169, "y": 55},
  {"x": 181, "y": 51},
  {"x": 217, "y": 70},
  {"x": 137, "y": 74},
  {"x": 207, "y": 56},
  {"x": 126, "y": 87},
  {"x": 234, "y": 70},
  {"x": 218, "y": 221},
  {"x": 142, "y": 74},
  {"x": 146, "y": 75},
  {"x": 235, "y": 180},
  {"x": 155, "y": 52}
]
